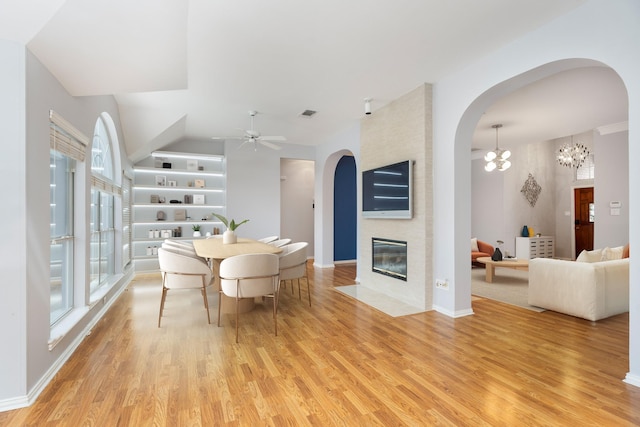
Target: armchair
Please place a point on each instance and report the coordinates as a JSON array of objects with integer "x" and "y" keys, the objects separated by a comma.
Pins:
[{"x": 480, "y": 249}]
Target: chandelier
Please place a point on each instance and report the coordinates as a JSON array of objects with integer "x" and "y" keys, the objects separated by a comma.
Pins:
[
  {"x": 497, "y": 159},
  {"x": 572, "y": 155}
]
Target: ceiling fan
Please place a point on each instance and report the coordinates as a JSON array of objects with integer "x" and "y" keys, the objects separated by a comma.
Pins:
[{"x": 252, "y": 136}]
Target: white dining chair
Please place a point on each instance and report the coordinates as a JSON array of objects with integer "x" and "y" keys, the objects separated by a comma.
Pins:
[
  {"x": 280, "y": 242},
  {"x": 268, "y": 239},
  {"x": 250, "y": 276},
  {"x": 293, "y": 266},
  {"x": 184, "y": 249},
  {"x": 180, "y": 271}
]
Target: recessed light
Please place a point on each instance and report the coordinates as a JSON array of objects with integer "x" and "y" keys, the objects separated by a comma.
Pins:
[{"x": 308, "y": 113}]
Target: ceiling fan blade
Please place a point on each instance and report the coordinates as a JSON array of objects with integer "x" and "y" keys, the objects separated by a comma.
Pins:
[
  {"x": 246, "y": 141},
  {"x": 222, "y": 138},
  {"x": 273, "y": 138},
  {"x": 270, "y": 145}
]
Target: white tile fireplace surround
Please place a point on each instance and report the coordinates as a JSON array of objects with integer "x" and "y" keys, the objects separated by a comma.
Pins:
[{"x": 389, "y": 257}]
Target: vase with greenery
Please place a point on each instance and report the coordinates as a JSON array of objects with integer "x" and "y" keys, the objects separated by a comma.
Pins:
[
  {"x": 196, "y": 230},
  {"x": 229, "y": 236}
]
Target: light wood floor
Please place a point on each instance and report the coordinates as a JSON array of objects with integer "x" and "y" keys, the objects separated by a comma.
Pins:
[{"x": 338, "y": 363}]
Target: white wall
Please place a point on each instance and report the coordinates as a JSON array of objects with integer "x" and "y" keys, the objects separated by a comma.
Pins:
[
  {"x": 598, "y": 31},
  {"x": 253, "y": 186},
  {"x": 611, "y": 184},
  {"x": 13, "y": 250}
]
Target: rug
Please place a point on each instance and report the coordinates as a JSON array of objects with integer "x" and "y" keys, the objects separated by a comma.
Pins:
[{"x": 509, "y": 286}]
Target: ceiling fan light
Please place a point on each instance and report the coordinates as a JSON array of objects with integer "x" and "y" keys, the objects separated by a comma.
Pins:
[
  {"x": 490, "y": 166},
  {"x": 505, "y": 154}
]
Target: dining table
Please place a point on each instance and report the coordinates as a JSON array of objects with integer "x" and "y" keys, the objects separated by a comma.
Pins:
[{"x": 214, "y": 249}]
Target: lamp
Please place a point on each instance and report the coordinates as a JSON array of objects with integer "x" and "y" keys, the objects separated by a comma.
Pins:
[
  {"x": 572, "y": 155},
  {"x": 497, "y": 159}
]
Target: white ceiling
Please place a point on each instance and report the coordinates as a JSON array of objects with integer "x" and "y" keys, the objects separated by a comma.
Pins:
[{"x": 193, "y": 69}]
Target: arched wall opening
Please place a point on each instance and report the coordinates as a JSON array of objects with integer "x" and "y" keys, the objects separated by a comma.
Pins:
[
  {"x": 325, "y": 209},
  {"x": 463, "y": 138}
]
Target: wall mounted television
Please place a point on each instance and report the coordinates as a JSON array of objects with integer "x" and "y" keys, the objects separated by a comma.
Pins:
[{"x": 387, "y": 191}]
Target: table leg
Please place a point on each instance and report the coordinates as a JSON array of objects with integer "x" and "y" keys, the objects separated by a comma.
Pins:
[{"x": 489, "y": 273}]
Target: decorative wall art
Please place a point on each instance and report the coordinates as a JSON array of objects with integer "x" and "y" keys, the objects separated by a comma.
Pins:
[{"x": 531, "y": 190}]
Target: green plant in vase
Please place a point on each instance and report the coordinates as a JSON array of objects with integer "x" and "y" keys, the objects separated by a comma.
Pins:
[
  {"x": 229, "y": 236},
  {"x": 196, "y": 230}
]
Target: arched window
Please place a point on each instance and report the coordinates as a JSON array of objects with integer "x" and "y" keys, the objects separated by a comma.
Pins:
[{"x": 103, "y": 193}]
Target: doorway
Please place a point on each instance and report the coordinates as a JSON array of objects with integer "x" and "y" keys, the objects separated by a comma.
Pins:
[{"x": 584, "y": 214}]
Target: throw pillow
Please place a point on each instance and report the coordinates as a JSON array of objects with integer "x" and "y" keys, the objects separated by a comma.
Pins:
[
  {"x": 609, "y": 254},
  {"x": 590, "y": 256},
  {"x": 474, "y": 245}
]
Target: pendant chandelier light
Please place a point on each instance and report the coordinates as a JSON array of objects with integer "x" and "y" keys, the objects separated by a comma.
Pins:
[
  {"x": 572, "y": 155},
  {"x": 497, "y": 159}
]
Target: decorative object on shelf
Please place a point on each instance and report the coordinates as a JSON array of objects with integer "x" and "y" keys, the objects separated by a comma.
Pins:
[
  {"x": 161, "y": 180},
  {"x": 180, "y": 215},
  {"x": 192, "y": 165},
  {"x": 572, "y": 155},
  {"x": 188, "y": 199},
  {"x": 497, "y": 159},
  {"x": 196, "y": 231},
  {"x": 199, "y": 183},
  {"x": 229, "y": 236},
  {"x": 497, "y": 254},
  {"x": 198, "y": 199},
  {"x": 155, "y": 198},
  {"x": 172, "y": 183},
  {"x": 161, "y": 216},
  {"x": 531, "y": 232},
  {"x": 525, "y": 231},
  {"x": 531, "y": 190},
  {"x": 166, "y": 165}
]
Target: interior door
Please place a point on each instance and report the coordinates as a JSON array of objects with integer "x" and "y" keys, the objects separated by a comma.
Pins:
[{"x": 584, "y": 219}]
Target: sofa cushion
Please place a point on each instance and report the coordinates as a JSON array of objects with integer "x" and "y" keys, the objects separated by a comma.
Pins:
[
  {"x": 625, "y": 251},
  {"x": 609, "y": 254},
  {"x": 474, "y": 245},
  {"x": 590, "y": 256}
]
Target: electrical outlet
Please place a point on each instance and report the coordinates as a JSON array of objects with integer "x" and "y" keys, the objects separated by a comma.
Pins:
[{"x": 442, "y": 284}]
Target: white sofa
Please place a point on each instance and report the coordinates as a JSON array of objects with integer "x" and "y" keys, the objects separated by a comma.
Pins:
[{"x": 591, "y": 290}]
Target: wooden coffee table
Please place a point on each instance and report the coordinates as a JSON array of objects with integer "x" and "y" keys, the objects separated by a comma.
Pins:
[{"x": 491, "y": 265}]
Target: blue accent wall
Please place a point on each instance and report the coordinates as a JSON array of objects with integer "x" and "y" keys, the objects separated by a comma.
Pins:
[{"x": 344, "y": 210}]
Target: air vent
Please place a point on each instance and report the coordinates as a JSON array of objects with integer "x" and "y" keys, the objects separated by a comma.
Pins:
[{"x": 308, "y": 113}]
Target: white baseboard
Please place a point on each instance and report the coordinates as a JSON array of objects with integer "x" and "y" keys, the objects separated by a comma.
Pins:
[
  {"x": 632, "y": 379},
  {"x": 454, "y": 314}
]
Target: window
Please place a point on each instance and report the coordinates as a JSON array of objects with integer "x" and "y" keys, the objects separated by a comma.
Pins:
[
  {"x": 587, "y": 169},
  {"x": 103, "y": 192},
  {"x": 67, "y": 148},
  {"x": 127, "y": 235},
  {"x": 61, "y": 259}
]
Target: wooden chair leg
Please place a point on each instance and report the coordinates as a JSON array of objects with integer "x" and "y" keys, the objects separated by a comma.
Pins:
[
  {"x": 275, "y": 309},
  {"x": 206, "y": 303},
  {"x": 219, "y": 305},
  {"x": 164, "y": 295},
  {"x": 308, "y": 290},
  {"x": 237, "y": 299}
]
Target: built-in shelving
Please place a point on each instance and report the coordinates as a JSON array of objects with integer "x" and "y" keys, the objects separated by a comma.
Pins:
[{"x": 171, "y": 183}]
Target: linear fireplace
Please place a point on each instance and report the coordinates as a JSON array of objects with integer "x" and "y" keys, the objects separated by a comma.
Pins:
[{"x": 389, "y": 257}]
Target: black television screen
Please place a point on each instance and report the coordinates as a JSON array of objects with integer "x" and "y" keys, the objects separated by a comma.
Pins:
[{"x": 387, "y": 191}]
